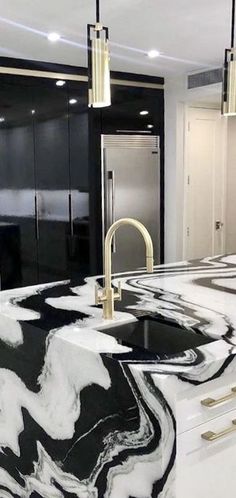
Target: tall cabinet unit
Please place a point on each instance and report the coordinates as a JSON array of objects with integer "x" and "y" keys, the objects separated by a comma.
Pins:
[
  {"x": 51, "y": 156},
  {"x": 133, "y": 169},
  {"x": 79, "y": 144},
  {"x": 44, "y": 192},
  {"x": 18, "y": 245}
]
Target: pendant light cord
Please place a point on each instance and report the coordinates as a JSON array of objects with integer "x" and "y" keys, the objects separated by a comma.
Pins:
[
  {"x": 98, "y": 10},
  {"x": 233, "y": 24}
]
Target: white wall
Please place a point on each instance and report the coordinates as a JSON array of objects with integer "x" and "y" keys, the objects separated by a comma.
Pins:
[{"x": 231, "y": 188}]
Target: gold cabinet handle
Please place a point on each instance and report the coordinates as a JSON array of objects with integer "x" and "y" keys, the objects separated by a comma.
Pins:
[
  {"x": 213, "y": 436},
  {"x": 211, "y": 402}
]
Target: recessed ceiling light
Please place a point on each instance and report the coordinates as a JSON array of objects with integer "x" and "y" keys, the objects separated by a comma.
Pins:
[
  {"x": 33, "y": 111},
  {"x": 144, "y": 113},
  {"x": 150, "y": 126},
  {"x": 53, "y": 37},
  {"x": 152, "y": 54},
  {"x": 73, "y": 101},
  {"x": 60, "y": 83},
  {"x": 2, "y": 119}
]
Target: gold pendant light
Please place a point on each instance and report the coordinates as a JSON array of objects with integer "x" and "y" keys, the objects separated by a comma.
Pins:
[
  {"x": 229, "y": 78},
  {"x": 98, "y": 63}
]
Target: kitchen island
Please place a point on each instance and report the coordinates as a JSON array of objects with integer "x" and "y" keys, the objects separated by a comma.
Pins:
[{"x": 84, "y": 414}]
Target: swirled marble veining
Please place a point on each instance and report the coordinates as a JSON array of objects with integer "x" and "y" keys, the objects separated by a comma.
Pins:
[{"x": 84, "y": 415}]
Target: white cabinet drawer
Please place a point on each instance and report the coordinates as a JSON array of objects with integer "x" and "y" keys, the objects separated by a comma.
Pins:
[
  {"x": 190, "y": 412},
  {"x": 207, "y": 468}
]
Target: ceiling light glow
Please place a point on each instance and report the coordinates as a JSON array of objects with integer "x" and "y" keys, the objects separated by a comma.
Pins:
[
  {"x": 73, "y": 101},
  {"x": 152, "y": 54},
  {"x": 2, "y": 119},
  {"x": 33, "y": 111},
  {"x": 60, "y": 83},
  {"x": 150, "y": 126},
  {"x": 144, "y": 113},
  {"x": 53, "y": 37}
]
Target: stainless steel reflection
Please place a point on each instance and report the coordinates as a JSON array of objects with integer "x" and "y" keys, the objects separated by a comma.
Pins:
[
  {"x": 36, "y": 216},
  {"x": 131, "y": 188},
  {"x": 71, "y": 216},
  {"x": 111, "y": 204}
]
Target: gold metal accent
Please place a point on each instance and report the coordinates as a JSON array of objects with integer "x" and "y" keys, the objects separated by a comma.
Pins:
[
  {"x": 136, "y": 84},
  {"x": 213, "y": 436},
  {"x": 98, "y": 26},
  {"x": 74, "y": 77},
  {"x": 107, "y": 296},
  {"x": 42, "y": 74},
  {"x": 211, "y": 402},
  {"x": 230, "y": 105}
]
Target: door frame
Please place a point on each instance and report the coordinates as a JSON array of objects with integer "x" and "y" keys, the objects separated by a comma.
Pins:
[{"x": 188, "y": 109}]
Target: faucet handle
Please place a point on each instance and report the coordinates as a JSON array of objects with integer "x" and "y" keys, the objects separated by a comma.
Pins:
[
  {"x": 118, "y": 295},
  {"x": 99, "y": 295}
]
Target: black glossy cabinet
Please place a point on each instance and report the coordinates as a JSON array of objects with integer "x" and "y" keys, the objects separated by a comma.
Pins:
[
  {"x": 18, "y": 253},
  {"x": 79, "y": 142},
  {"x": 51, "y": 155},
  {"x": 44, "y": 199}
]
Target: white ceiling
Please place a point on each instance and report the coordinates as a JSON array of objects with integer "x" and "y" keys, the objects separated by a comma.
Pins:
[{"x": 190, "y": 34}]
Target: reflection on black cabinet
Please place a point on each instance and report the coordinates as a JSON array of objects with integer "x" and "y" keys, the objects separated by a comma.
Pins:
[
  {"x": 43, "y": 180},
  {"x": 79, "y": 183},
  {"x": 124, "y": 114},
  {"x": 17, "y": 184},
  {"x": 51, "y": 141}
]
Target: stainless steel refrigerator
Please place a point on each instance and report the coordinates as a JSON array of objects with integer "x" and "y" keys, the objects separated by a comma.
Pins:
[{"x": 131, "y": 189}]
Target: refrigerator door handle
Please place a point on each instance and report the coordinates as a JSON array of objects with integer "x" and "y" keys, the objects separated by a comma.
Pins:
[
  {"x": 71, "y": 216},
  {"x": 111, "y": 203},
  {"x": 36, "y": 209}
]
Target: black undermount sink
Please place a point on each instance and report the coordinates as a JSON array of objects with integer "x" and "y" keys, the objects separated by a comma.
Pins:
[{"x": 159, "y": 337}]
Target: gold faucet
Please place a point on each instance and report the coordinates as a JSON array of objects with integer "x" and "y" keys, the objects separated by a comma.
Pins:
[{"x": 108, "y": 296}]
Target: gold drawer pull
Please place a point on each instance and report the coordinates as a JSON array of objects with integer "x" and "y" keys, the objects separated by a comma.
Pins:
[
  {"x": 210, "y": 402},
  {"x": 213, "y": 436}
]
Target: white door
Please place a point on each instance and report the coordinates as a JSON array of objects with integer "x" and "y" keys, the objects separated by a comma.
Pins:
[
  {"x": 207, "y": 469},
  {"x": 204, "y": 183}
]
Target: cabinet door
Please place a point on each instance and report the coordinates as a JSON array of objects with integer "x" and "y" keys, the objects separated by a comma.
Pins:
[
  {"x": 52, "y": 178},
  {"x": 208, "y": 468},
  {"x": 79, "y": 180},
  {"x": 18, "y": 248},
  {"x": 192, "y": 408}
]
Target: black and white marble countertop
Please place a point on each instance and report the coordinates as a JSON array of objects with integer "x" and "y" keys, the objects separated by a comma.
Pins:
[{"x": 80, "y": 414}]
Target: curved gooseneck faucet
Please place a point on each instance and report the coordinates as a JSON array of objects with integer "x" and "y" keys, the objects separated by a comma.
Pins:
[{"x": 108, "y": 296}]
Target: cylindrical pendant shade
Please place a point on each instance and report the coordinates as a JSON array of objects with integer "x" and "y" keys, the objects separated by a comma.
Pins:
[
  {"x": 100, "y": 93},
  {"x": 229, "y": 80},
  {"x": 229, "y": 106}
]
